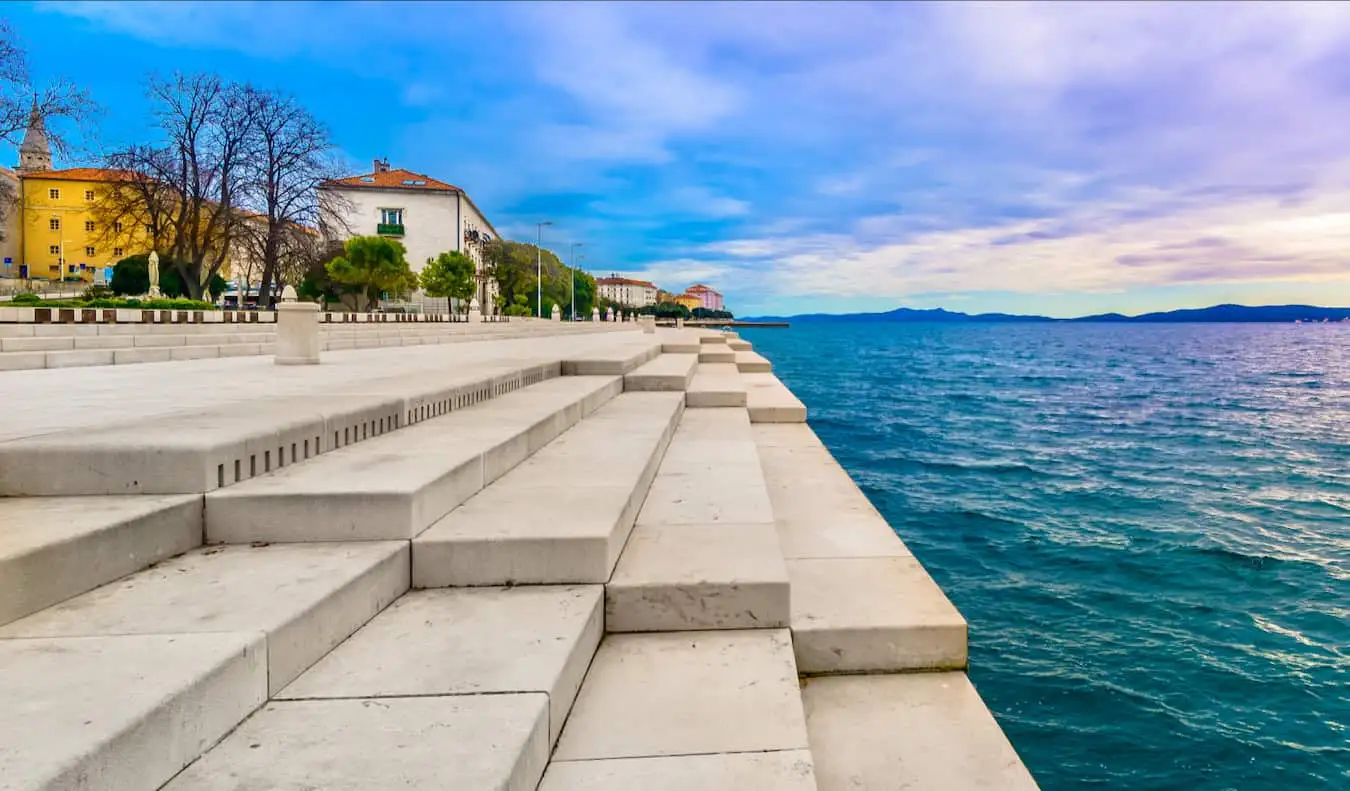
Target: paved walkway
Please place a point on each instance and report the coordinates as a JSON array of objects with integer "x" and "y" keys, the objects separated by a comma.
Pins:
[{"x": 47, "y": 400}]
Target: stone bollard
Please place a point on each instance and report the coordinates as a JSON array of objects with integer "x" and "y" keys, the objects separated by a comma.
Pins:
[
  {"x": 475, "y": 312},
  {"x": 297, "y": 331},
  {"x": 649, "y": 324},
  {"x": 609, "y": 314},
  {"x": 557, "y": 313},
  {"x": 679, "y": 322},
  {"x": 595, "y": 314}
]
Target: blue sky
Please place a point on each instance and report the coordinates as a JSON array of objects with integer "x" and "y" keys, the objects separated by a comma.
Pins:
[{"x": 1059, "y": 159}]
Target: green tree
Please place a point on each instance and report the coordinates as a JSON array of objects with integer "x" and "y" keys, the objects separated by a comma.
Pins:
[
  {"x": 131, "y": 277},
  {"x": 371, "y": 266},
  {"x": 449, "y": 275},
  {"x": 520, "y": 307}
]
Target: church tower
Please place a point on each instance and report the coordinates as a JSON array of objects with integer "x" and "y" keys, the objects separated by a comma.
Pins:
[{"x": 35, "y": 153}]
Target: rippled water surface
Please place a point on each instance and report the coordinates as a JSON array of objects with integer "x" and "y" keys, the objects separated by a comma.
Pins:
[{"x": 1148, "y": 528}]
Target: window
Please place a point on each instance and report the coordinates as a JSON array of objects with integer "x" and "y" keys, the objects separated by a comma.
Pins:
[
  {"x": 54, "y": 223},
  {"x": 391, "y": 216},
  {"x": 89, "y": 251},
  {"x": 88, "y": 194},
  {"x": 54, "y": 249},
  {"x": 89, "y": 225},
  {"x": 117, "y": 226},
  {"x": 54, "y": 194},
  {"x": 117, "y": 252}
]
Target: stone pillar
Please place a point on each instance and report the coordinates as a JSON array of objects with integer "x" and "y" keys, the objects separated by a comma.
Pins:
[
  {"x": 475, "y": 312},
  {"x": 609, "y": 314},
  {"x": 297, "y": 331},
  {"x": 649, "y": 324},
  {"x": 595, "y": 314},
  {"x": 557, "y": 314},
  {"x": 679, "y": 322}
]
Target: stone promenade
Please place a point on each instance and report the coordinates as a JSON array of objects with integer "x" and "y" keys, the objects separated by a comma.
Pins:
[{"x": 584, "y": 558}]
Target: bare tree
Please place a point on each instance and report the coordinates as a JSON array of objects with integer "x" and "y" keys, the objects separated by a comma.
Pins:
[
  {"x": 187, "y": 190},
  {"x": 292, "y": 154}
]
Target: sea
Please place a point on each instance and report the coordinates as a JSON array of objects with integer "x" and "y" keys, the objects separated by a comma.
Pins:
[{"x": 1146, "y": 526}]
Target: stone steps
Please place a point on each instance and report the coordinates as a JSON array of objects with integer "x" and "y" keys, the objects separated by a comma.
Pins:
[
  {"x": 131, "y": 681},
  {"x": 687, "y": 707},
  {"x": 769, "y": 401},
  {"x": 715, "y": 385},
  {"x": 917, "y": 730},
  {"x": 860, "y": 601},
  {"x": 716, "y": 353},
  {"x": 395, "y": 486},
  {"x": 666, "y": 373},
  {"x": 748, "y": 362},
  {"x": 53, "y": 548},
  {"x": 704, "y": 553},
  {"x": 561, "y": 517}
]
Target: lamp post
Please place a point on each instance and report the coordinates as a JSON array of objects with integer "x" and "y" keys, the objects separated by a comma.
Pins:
[
  {"x": 575, "y": 245},
  {"x": 539, "y": 270}
]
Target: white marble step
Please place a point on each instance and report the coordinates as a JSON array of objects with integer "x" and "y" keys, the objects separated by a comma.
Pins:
[
  {"x": 686, "y": 694},
  {"x": 748, "y": 362},
  {"x": 304, "y": 598},
  {"x": 738, "y": 345},
  {"x": 780, "y": 770},
  {"x": 715, "y": 385},
  {"x": 860, "y": 601},
  {"x": 396, "y": 486},
  {"x": 922, "y": 731},
  {"x": 53, "y": 548},
  {"x": 679, "y": 341},
  {"x": 564, "y": 515},
  {"x": 668, "y": 372},
  {"x": 705, "y": 553},
  {"x": 770, "y": 401},
  {"x": 712, "y": 338},
  {"x": 454, "y": 743},
  {"x": 121, "y": 711},
  {"x": 616, "y": 361},
  {"x": 716, "y": 353},
  {"x": 468, "y": 641}
]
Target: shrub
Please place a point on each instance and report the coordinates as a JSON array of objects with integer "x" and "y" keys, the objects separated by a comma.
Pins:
[{"x": 26, "y": 299}]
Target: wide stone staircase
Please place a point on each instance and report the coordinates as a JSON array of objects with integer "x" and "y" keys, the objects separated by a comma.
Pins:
[{"x": 635, "y": 567}]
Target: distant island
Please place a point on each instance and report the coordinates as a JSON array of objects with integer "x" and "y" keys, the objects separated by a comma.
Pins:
[{"x": 1215, "y": 314}]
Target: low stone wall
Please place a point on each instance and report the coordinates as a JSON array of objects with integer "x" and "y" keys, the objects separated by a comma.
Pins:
[{"x": 145, "y": 316}]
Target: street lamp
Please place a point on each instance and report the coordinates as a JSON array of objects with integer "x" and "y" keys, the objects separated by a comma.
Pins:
[
  {"x": 575, "y": 245},
  {"x": 539, "y": 270}
]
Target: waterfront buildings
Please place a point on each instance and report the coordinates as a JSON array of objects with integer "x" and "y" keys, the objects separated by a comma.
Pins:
[
  {"x": 689, "y": 301},
  {"x": 626, "y": 291},
  {"x": 707, "y": 296},
  {"x": 427, "y": 215}
]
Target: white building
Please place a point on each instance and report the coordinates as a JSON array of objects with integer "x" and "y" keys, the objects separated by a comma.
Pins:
[
  {"x": 626, "y": 291},
  {"x": 428, "y": 216}
]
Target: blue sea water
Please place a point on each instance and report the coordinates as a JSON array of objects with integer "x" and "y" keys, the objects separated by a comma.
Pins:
[{"x": 1147, "y": 527}]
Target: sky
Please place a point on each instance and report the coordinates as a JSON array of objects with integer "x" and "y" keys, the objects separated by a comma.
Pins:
[{"x": 1060, "y": 159}]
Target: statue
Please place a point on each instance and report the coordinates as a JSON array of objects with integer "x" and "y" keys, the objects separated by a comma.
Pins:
[{"x": 152, "y": 269}]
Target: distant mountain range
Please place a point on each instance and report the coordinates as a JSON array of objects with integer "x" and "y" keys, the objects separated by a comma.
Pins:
[{"x": 1217, "y": 313}]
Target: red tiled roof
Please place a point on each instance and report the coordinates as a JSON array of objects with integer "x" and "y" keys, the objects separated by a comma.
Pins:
[
  {"x": 699, "y": 288},
  {"x": 622, "y": 281},
  {"x": 82, "y": 174},
  {"x": 398, "y": 178}
]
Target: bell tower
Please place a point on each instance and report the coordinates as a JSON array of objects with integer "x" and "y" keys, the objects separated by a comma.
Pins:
[{"x": 35, "y": 153}]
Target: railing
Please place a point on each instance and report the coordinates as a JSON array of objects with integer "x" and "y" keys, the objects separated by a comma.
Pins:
[{"x": 389, "y": 229}]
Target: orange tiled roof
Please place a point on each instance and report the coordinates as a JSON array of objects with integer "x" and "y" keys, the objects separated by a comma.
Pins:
[
  {"x": 82, "y": 174},
  {"x": 397, "y": 178},
  {"x": 699, "y": 288},
  {"x": 622, "y": 281}
]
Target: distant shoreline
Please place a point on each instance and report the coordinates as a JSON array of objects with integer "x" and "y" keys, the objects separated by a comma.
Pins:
[{"x": 1217, "y": 314}]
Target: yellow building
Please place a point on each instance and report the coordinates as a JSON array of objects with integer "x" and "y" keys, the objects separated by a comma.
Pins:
[
  {"x": 62, "y": 238},
  {"x": 51, "y": 232},
  {"x": 689, "y": 301}
]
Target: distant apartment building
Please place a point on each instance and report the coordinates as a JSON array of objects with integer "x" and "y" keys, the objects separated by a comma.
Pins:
[
  {"x": 428, "y": 216},
  {"x": 707, "y": 296},
  {"x": 626, "y": 291}
]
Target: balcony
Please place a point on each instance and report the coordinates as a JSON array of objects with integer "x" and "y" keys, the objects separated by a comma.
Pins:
[{"x": 389, "y": 229}]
